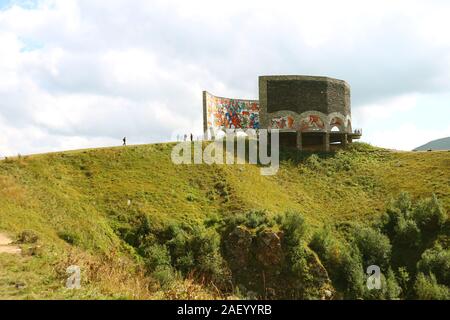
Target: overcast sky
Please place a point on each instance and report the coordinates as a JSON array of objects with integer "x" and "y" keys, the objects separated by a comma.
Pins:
[{"x": 85, "y": 73}]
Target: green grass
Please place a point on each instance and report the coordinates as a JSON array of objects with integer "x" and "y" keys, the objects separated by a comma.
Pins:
[{"x": 79, "y": 200}]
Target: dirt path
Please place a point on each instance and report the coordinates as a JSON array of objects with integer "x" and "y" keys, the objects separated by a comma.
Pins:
[{"x": 6, "y": 246}]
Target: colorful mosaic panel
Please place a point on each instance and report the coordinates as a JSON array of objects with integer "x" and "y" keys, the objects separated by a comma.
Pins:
[{"x": 224, "y": 113}]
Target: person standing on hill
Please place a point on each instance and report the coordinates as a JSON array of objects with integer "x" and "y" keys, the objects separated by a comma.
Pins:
[
  {"x": 192, "y": 137},
  {"x": 124, "y": 141}
]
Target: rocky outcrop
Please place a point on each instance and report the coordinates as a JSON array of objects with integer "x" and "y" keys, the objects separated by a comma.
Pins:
[
  {"x": 269, "y": 251},
  {"x": 238, "y": 247},
  {"x": 260, "y": 262}
]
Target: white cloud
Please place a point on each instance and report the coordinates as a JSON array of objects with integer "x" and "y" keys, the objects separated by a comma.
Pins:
[
  {"x": 78, "y": 73},
  {"x": 406, "y": 136},
  {"x": 385, "y": 109}
]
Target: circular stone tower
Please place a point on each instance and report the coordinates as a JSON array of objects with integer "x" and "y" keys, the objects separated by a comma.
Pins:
[{"x": 313, "y": 113}]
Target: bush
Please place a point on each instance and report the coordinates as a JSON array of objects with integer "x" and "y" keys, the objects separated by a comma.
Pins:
[
  {"x": 429, "y": 216},
  {"x": 407, "y": 233},
  {"x": 307, "y": 282},
  {"x": 294, "y": 227},
  {"x": 157, "y": 256},
  {"x": 27, "y": 236},
  {"x": 164, "y": 275},
  {"x": 197, "y": 249},
  {"x": 427, "y": 288},
  {"x": 327, "y": 248},
  {"x": 403, "y": 280},
  {"x": 374, "y": 247},
  {"x": 313, "y": 162},
  {"x": 342, "y": 161},
  {"x": 158, "y": 262},
  {"x": 436, "y": 261},
  {"x": 343, "y": 263},
  {"x": 205, "y": 246},
  {"x": 69, "y": 237},
  {"x": 251, "y": 219},
  {"x": 399, "y": 209},
  {"x": 409, "y": 225},
  {"x": 403, "y": 203},
  {"x": 351, "y": 275}
]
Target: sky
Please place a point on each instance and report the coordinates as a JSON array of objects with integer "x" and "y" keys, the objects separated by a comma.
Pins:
[{"x": 85, "y": 73}]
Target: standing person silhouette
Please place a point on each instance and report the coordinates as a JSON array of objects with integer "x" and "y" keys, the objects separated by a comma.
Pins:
[
  {"x": 124, "y": 141},
  {"x": 192, "y": 137}
]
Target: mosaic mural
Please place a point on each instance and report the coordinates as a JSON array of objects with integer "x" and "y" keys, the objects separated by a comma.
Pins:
[
  {"x": 282, "y": 123},
  {"x": 224, "y": 113},
  {"x": 312, "y": 123}
]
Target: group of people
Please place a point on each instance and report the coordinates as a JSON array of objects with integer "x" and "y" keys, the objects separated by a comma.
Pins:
[
  {"x": 185, "y": 137},
  {"x": 124, "y": 140}
]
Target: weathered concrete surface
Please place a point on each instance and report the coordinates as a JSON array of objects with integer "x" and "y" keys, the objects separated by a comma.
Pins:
[{"x": 300, "y": 94}]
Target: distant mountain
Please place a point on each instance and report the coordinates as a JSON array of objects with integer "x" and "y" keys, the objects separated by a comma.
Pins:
[{"x": 439, "y": 144}]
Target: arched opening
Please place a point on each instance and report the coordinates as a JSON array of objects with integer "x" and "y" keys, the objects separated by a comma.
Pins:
[{"x": 335, "y": 129}]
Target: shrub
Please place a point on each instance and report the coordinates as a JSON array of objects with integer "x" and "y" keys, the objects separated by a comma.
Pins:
[
  {"x": 429, "y": 216},
  {"x": 342, "y": 161},
  {"x": 403, "y": 203},
  {"x": 374, "y": 247},
  {"x": 164, "y": 275},
  {"x": 393, "y": 288},
  {"x": 206, "y": 248},
  {"x": 313, "y": 162},
  {"x": 403, "y": 280},
  {"x": 408, "y": 223},
  {"x": 407, "y": 233},
  {"x": 69, "y": 237},
  {"x": 251, "y": 219},
  {"x": 294, "y": 227},
  {"x": 136, "y": 231},
  {"x": 190, "y": 197},
  {"x": 398, "y": 209},
  {"x": 157, "y": 256},
  {"x": 307, "y": 283},
  {"x": 327, "y": 248},
  {"x": 351, "y": 275},
  {"x": 158, "y": 263},
  {"x": 197, "y": 249},
  {"x": 436, "y": 261},
  {"x": 343, "y": 263},
  {"x": 427, "y": 288},
  {"x": 27, "y": 236}
]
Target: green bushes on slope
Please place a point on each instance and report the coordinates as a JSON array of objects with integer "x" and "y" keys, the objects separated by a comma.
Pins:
[{"x": 281, "y": 256}]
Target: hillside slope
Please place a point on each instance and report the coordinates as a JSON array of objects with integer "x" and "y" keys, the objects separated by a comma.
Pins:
[
  {"x": 439, "y": 144},
  {"x": 78, "y": 204}
]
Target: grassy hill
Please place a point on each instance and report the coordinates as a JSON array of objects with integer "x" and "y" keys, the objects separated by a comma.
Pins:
[
  {"x": 439, "y": 144},
  {"x": 83, "y": 205}
]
